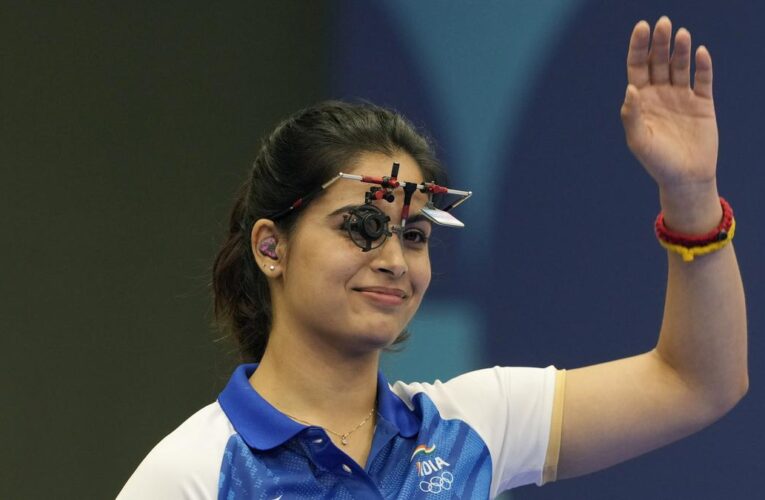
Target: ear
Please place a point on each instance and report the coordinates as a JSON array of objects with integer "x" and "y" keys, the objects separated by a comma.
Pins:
[{"x": 268, "y": 247}]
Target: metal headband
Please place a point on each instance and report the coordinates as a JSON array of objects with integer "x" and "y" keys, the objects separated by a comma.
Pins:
[{"x": 383, "y": 190}]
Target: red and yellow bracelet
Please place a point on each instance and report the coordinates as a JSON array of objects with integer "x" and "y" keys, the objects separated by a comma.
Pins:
[{"x": 689, "y": 247}]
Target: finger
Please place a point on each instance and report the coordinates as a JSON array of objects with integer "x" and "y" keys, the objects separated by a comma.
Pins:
[
  {"x": 702, "y": 80},
  {"x": 658, "y": 63},
  {"x": 680, "y": 65},
  {"x": 637, "y": 55},
  {"x": 634, "y": 126}
]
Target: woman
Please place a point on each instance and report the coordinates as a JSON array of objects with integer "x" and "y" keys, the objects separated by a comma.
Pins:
[{"x": 321, "y": 272}]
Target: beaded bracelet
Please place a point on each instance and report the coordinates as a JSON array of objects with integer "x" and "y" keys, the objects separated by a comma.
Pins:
[{"x": 690, "y": 247}]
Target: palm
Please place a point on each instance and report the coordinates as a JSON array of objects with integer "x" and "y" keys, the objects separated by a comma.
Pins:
[{"x": 670, "y": 127}]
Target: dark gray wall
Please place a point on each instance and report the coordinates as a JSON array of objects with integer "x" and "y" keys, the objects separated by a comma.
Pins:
[{"x": 126, "y": 128}]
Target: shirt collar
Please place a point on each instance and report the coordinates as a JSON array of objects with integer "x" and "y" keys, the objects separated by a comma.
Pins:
[
  {"x": 391, "y": 408},
  {"x": 263, "y": 427}
]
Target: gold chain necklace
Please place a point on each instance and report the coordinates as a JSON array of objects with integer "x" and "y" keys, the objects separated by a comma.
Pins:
[{"x": 343, "y": 437}]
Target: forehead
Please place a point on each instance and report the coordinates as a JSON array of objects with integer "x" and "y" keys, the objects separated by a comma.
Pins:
[
  {"x": 372, "y": 163},
  {"x": 345, "y": 192}
]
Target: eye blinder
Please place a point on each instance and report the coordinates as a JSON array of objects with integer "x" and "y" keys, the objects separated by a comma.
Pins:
[{"x": 367, "y": 226}]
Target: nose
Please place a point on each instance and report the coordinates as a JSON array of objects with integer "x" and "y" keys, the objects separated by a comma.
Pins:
[{"x": 389, "y": 258}]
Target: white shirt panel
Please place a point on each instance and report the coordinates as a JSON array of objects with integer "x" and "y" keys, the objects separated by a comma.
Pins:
[
  {"x": 186, "y": 464},
  {"x": 509, "y": 407}
]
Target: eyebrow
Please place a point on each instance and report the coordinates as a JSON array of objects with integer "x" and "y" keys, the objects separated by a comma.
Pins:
[
  {"x": 418, "y": 217},
  {"x": 340, "y": 210}
]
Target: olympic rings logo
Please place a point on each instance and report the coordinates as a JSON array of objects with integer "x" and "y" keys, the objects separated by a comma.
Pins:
[{"x": 437, "y": 483}]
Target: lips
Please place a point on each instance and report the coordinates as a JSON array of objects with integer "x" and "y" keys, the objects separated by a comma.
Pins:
[
  {"x": 383, "y": 297},
  {"x": 396, "y": 292}
]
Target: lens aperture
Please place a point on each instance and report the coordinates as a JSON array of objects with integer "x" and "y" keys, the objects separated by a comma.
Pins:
[{"x": 367, "y": 226}]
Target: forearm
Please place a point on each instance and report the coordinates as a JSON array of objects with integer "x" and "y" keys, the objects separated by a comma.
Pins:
[{"x": 703, "y": 333}]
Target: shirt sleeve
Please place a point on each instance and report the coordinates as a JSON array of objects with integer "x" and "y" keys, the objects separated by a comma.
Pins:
[
  {"x": 186, "y": 463},
  {"x": 516, "y": 411},
  {"x": 550, "y": 472}
]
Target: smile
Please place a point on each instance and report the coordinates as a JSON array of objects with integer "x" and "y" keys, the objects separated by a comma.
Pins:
[{"x": 383, "y": 296}]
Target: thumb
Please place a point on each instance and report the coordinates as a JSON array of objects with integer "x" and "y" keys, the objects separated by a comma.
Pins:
[{"x": 632, "y": 119}]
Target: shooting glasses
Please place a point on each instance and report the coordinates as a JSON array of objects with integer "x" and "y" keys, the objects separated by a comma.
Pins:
[{"x": 367, "y": 225}]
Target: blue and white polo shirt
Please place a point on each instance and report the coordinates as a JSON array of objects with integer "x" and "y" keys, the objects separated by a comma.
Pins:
[{"x": 472, "y": 437}]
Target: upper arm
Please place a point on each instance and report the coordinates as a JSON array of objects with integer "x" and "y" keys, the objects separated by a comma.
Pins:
[
  {"x": 621, "y": 409},
  {"x": 159, "y": 476},
  {"x": 186, "y": 464}
]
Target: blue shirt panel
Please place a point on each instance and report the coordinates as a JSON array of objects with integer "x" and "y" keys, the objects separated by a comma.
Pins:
[{"x": 415, "y": 453}]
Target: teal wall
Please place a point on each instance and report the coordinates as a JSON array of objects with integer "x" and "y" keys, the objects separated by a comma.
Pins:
[{"x": 558, "y": 263}]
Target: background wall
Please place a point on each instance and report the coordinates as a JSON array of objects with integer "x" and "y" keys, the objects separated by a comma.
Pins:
[
  {"x": 559, "y": 264},
  {"x": 126, "y": 129}
]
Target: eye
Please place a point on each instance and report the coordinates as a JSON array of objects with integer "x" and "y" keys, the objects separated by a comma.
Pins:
[{"x": 416, "y": 237}]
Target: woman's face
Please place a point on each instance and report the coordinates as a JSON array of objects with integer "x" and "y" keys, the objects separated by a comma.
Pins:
[{"x": 356, "y": 301}]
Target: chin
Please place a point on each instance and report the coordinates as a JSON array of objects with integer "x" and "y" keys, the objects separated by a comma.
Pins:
[{"x": 378, "y": 339}]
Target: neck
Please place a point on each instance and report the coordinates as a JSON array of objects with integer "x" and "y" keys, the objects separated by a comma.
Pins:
[{"x": 316, "y": 383}]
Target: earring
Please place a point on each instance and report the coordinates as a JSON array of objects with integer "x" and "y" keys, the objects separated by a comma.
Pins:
[
  {"x": 271, "y": 267},
  {"x": 268, "y": 247}
]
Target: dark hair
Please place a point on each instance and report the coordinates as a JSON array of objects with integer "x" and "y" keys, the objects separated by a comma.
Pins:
[{"x": 303, "y": 152}]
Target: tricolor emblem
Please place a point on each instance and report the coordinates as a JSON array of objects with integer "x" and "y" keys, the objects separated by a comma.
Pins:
[{"x": 423, "y": 449}]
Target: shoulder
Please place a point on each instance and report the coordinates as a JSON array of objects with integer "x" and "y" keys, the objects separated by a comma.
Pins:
[
  {"x": 514, "y": 410},
  {"x": 514, "y": 387},
  {"x": 186, "y": 463}
]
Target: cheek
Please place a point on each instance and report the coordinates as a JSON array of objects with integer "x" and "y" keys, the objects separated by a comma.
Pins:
[
  {"x": 329, "y": 264},
  {"x": 420, "y": 269}
]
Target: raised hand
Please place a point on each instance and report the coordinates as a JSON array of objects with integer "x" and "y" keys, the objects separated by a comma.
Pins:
[{"x": 670, "y": 125}]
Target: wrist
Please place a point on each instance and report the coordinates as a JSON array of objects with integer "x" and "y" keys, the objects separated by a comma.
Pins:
[{"x": 691, "y": 209}]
